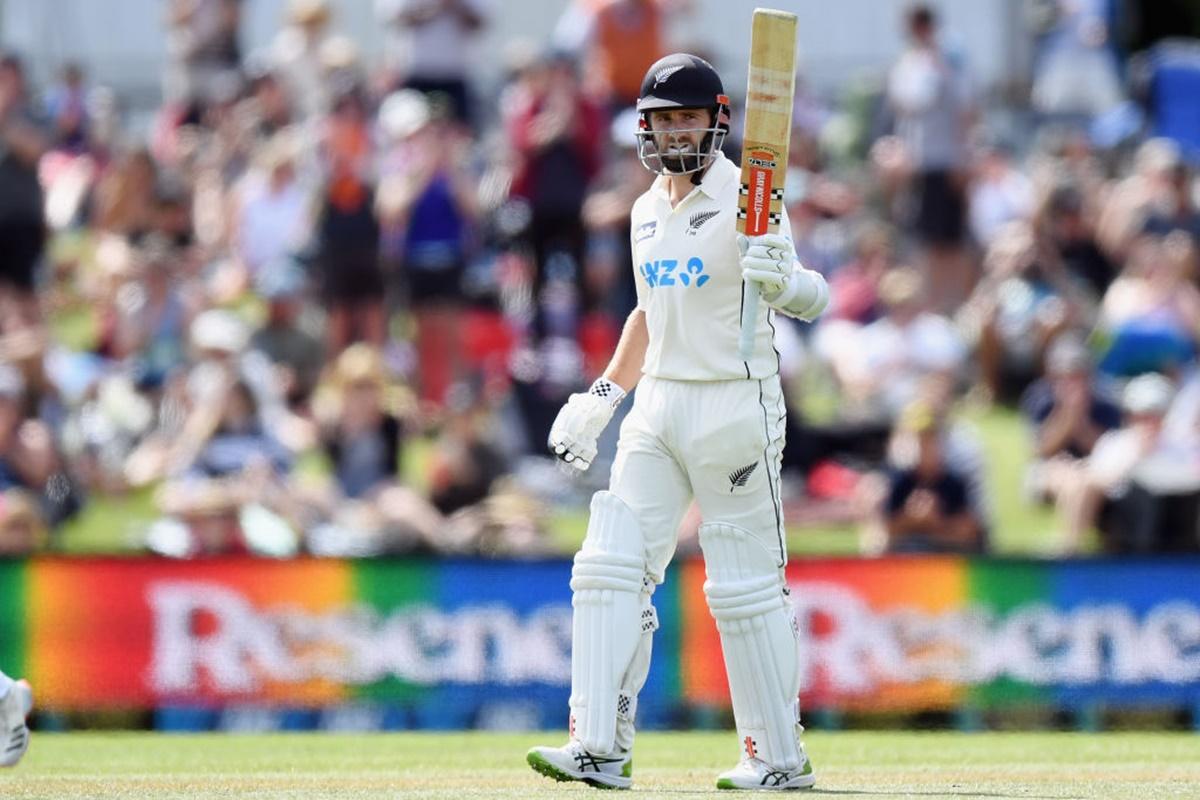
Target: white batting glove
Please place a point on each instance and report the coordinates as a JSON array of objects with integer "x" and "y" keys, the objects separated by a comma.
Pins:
[
  {"x": 766, "y": 260},
  {"x": 581, "y": 420},
  {"x": 770, "y": 261}
]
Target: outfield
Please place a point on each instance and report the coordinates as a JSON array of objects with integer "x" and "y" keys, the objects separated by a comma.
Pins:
[{"x": 457, "y": 766}]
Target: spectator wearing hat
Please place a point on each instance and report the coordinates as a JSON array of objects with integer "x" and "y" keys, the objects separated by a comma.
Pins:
[
  {"x": 428, "y": 209},
  {"x": 272, "y": 217},
  {"x": 1068, "y": 412},
  {"x": 1151, "y": 476},
  {"x": 366, "y": 508},
  {"x": 192, "y": 399},
  {"x": 296, "y": 56},
  {"x": 928, "y": 505},
  {"x": 360, "y": 433}
]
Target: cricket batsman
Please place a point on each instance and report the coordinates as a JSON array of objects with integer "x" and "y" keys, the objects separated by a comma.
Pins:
[{"x": 705, "y": 424}]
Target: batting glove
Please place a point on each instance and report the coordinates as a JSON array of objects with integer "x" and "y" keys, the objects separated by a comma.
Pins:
[
  {"x": 770, "y": 261},
  {"x": 581, "y": 420}
]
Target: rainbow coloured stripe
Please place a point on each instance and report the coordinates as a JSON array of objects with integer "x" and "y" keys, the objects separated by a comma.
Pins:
[{"x": 448, "y": 640}]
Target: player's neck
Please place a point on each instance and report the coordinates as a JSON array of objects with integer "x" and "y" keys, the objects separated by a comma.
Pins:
[{"x": 679, "y": 187}]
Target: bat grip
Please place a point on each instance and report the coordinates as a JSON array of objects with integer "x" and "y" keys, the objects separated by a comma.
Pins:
[{"x": 749, "y": 320}]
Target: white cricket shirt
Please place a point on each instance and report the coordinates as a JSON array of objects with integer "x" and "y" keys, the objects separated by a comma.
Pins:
[{"x": 689, "y": 282}]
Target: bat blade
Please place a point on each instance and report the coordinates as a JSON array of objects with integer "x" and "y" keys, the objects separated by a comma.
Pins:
[{"x": 770, "y": 86}]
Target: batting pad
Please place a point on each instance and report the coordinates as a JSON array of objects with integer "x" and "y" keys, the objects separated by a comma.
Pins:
[
  {"x": 746, "y": 597},
  {"x": 607, "y": 628}
]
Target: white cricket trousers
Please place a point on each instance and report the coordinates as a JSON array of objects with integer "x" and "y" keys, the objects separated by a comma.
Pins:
[{"x": 718, "y": 441}]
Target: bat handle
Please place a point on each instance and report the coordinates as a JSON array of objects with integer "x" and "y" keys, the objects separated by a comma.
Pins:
[{"x": 749, "y": 320}]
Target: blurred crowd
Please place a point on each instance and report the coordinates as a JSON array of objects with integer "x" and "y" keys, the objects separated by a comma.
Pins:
[{"x": 326, "y": 305}]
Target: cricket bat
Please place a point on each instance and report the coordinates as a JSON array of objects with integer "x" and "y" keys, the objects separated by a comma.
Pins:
[{"x": 770, "y": 86}]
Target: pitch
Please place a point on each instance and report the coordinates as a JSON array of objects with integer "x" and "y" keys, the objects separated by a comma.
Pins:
[{"x": 462, "y": 766}]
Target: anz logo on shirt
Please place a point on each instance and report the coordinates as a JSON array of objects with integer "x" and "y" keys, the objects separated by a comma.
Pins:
[{"x": 670, "y": 272}]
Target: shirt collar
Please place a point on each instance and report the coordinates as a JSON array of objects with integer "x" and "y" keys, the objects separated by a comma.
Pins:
[{"x": 716, "y": 177}]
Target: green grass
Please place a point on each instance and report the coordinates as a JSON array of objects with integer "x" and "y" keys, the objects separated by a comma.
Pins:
[
  {"x": 1021, "y": 528},
  {"x": 480, "y": 765},
  {"x": 109, "y": 524}
]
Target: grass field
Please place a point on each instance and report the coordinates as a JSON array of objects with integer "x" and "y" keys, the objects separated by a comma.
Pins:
[{"x": 480, "y": 765}]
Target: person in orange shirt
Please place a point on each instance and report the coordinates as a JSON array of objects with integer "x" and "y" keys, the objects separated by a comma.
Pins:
[{"x": 617, "y": 40}]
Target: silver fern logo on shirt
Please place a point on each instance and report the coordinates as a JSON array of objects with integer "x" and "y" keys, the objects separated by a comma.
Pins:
[{"x": 698, "y": 219}]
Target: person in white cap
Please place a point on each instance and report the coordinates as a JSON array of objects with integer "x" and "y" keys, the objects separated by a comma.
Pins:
[
  {"x": 1152, "y": 478},
  {"x": 706, "y": 423}
]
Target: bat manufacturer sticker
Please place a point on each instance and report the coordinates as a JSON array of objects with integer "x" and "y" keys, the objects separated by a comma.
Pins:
[{"x": 758, "y": 207}]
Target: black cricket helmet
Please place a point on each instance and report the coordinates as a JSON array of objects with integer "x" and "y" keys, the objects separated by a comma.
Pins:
[{"x": 681, "y": 80}]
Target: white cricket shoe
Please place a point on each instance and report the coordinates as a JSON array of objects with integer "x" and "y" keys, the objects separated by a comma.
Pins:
[
  {"x": 573, "y": 763},
  {"x": 753, "y": 773},
  {"x": 14, "y": 736}
]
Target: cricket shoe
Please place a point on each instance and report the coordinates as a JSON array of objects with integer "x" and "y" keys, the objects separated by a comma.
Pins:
[
  {"x": 573, "y": 763},
  {"x": 14, "y": 736},
  {"x": 753, "y": 773}
]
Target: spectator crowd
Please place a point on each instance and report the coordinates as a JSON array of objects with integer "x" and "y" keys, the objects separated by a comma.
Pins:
[{"x": 327, "y": 305}]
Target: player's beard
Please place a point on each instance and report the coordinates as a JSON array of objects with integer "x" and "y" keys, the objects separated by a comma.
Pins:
[{"x": 679, "y": 160}]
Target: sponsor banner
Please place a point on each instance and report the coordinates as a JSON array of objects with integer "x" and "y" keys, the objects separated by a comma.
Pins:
[
  {"x": 938, "y": 633},
  {"x": 470, "y": 643}
]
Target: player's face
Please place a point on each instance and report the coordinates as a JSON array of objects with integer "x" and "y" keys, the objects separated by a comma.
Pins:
[
  {"x": 679, "y": 131},
  {"x": 678, "y": 136}
]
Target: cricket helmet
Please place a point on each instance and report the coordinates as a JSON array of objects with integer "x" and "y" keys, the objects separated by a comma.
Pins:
[{"x": 681, "y": 80}]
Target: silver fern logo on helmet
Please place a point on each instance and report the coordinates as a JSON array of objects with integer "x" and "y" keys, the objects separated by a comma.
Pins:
[
  {"x": 679, "y": 83},
  {"x": 666, "y": 72}
]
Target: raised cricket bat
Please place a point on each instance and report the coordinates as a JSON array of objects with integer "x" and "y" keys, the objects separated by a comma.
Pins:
[{"x": 770, "y": 87}]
